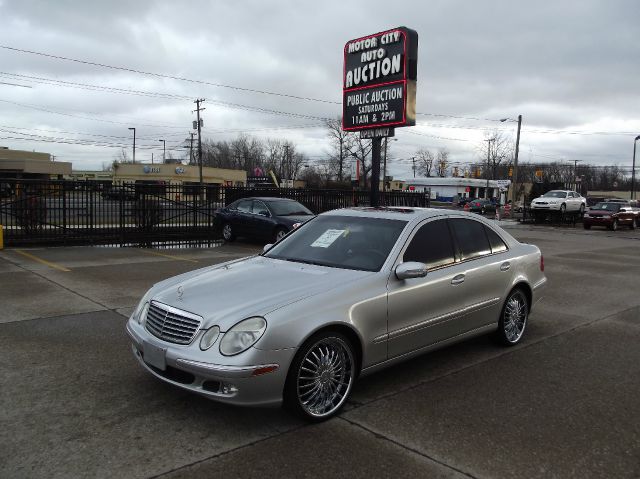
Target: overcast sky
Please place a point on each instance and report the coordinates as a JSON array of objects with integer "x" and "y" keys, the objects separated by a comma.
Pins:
[{"x": 571, "y": 68}]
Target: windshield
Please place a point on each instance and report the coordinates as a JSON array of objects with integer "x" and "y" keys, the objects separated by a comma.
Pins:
[
  {"x": 285, "y": 208},
  {"x": 555, "y": 194},
  {"x": 341, "y": 242},
  {"x": 606, "y": 206}
]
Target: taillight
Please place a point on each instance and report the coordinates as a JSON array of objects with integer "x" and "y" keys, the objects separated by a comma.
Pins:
[{"x": 541, "y": 263}]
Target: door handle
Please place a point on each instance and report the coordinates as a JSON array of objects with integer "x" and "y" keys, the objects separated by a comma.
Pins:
[
  {"x": 505, "y": 266},
  {"x": 457, "y": 279}
]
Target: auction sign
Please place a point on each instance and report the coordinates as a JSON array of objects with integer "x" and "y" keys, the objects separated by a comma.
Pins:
[{"x": 379, "y": 80}]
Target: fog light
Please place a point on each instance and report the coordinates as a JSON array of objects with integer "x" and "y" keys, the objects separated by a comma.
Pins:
[{"x": 228, "y": 389}]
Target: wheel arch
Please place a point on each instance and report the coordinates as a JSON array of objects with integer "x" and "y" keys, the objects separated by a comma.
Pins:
[
  {"x": 350, "y": 333},
  {"x": 526, "y": 289}
]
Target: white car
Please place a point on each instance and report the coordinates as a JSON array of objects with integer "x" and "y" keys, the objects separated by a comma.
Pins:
[{"x": 560, "y": 200}]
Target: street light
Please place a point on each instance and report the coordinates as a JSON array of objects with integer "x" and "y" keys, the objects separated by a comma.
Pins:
[
  {"x": 134, "y": 144},
  {"x": 164, "y": 150},
  {"x": 515, "y": 159},
  {"x": 633, "y": 168}
]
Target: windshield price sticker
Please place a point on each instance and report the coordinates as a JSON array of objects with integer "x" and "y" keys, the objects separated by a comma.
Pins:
[{"x": 327, "y": 238}]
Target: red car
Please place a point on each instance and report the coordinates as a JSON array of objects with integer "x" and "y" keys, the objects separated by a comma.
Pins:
[{"x": 612, "y": 215}]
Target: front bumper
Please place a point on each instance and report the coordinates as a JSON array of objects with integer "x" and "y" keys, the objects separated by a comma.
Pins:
[
  {"x": 240, "y": 383},
  {"x": 597, "y": 221},
  {"x": 545, "y": 207}
]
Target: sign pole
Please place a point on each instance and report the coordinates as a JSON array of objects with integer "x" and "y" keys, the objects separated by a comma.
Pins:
[{"x": 376, "y": 147}]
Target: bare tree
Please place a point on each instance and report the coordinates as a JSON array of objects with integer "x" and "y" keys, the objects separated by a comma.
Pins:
[
  {"x": 342, "y": 143},
  {"x": 425, "y": 160},
  {"x": 442, "y": 162}
]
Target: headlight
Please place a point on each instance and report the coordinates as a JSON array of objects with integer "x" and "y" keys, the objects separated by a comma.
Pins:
[
  {"x": 141, "y": 312},
  {"x": 209, "y": 337},
  {"x": 586, "y": 215},
  {"x": 242, "y": 336}
]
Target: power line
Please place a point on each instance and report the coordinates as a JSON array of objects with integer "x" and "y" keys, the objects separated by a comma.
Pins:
[{"x": 172, "y": 77}]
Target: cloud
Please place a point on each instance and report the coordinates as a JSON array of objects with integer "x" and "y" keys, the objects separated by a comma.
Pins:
[{"x": 562, "y": 65}]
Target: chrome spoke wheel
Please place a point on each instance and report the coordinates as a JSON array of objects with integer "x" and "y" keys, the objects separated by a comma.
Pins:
[
  {"x": 325, "y": 376},
  {"x": 514, "y": 318}
]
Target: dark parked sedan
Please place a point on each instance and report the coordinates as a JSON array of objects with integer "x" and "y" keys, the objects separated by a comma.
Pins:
[
  {"x": 267, "y": 219},
  {"x": 481, "y": 205}
]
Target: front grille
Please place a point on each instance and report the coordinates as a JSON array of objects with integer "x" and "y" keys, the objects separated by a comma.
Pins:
[{"x": 170, "y": 324}]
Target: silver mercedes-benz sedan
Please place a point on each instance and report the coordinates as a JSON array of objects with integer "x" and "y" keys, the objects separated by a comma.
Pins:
[{"x": 348, "y": 293}]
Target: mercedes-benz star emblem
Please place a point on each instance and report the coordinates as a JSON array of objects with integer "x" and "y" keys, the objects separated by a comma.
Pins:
[{"x": 180, "y": 292}]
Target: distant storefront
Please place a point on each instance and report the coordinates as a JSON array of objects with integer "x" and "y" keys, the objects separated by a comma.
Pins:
[
  {"x": 176, "y": 174},
  {"x": 447, "y": 189},
  {"x": 20, "y": 164}
]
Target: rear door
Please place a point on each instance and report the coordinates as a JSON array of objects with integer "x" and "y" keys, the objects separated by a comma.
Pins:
[
  {"x": 486, "y": 269},
  {"x": 243, "y": 217}
]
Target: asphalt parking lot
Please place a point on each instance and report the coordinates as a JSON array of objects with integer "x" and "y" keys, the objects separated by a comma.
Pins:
[{"x": 564, "y": 403}]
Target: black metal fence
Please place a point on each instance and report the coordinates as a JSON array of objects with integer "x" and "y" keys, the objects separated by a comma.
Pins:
[{"x": 60, "y": 212}]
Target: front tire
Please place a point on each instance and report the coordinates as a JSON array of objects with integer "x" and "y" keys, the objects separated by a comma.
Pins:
[
  {"x": 614, "y": 225},
  {"x": 633, "y": 224},
  {"x": 513, "y": 318},
  {"x": 320, "y": 377},
  {"x": 563, "y": 209},
  {"x": 587, "y": 226}
]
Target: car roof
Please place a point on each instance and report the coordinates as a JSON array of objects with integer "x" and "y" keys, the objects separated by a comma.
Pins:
[
  {"x": 266, "y": 198},
  {"x": 408, "y": 214}
]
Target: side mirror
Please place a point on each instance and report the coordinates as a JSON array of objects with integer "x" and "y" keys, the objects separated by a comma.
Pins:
[
  {"x": 411, "y": 269},
  {"x": 623, "y": 210},
  {"x": 267, "y": 247}
]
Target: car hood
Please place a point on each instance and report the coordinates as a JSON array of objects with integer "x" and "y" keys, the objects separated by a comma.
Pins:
[{"x": 254, "y": 286}]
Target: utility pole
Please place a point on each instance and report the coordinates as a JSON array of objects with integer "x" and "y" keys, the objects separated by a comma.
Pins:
[
  {"x": 198, "y": 109},
  {"x": 514, "y": 193},
  {"x": 413, "y": 158},
  {"x": 191, "y": 148},
  {"x": 134, "y": 145},
  {"x": 575, "y": 174},
  {"x": 152, "y": 157},
  {"x": 633, "y": 169},
  {"x": 486, "y": 190}
]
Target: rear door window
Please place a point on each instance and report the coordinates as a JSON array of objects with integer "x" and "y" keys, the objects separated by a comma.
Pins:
[
  {"x": 471, "y": 238},
  {"x": 244, "y": 206},
  {"x": 497, "y": 244}
]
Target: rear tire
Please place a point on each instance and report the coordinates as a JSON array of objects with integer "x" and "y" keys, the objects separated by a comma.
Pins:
[
  {"x": 227, "y": 232},
  {"x": 279, "y": 234},
  {"x": 513, "y": 318}
]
